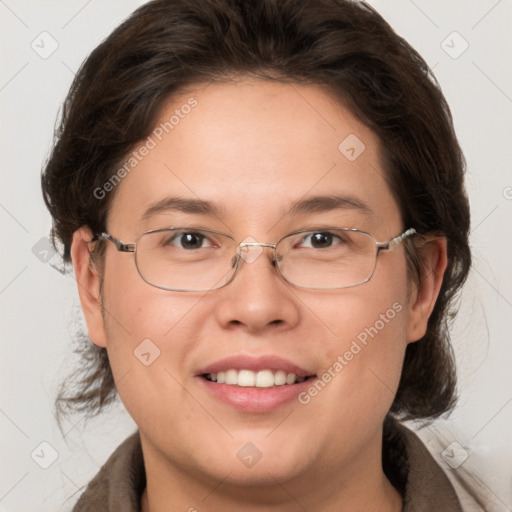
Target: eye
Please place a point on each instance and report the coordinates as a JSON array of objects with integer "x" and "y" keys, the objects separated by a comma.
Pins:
[
  {"x": 190, "y": 240},
  {"x": 320, "y": 240}
]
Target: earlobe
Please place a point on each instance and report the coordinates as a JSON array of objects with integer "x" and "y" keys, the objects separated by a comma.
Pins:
[
  {"x": 88, "y": 281},
  {"x": 433, "y": 258}
]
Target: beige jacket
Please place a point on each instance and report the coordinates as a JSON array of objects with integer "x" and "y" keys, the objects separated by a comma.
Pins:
[{"x": 409, "y": 465}]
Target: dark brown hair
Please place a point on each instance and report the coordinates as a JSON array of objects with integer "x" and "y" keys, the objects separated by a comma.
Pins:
[{"x": 341, "y": 45}]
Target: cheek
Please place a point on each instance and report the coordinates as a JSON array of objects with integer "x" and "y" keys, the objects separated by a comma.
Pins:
[
  {"x": 363, "y": 355},
  {"x": 136, "y": 310},
  {"x": 150, "y": 334},
  {"x": 366, "y": 333}
]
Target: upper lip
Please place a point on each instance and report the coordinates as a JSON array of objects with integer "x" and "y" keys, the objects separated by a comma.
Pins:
[{"x": 255, "y": 364}]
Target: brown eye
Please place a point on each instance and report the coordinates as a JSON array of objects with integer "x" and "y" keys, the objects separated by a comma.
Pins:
[
  {"x": 319, "y": 240},
  {"x": 189, "y": 241}
]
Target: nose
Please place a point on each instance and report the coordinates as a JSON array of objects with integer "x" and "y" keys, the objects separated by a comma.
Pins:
[{"x": 258, "y": 298}]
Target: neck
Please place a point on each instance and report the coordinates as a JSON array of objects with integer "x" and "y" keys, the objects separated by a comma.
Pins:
[{"x": 362, "y": 486}]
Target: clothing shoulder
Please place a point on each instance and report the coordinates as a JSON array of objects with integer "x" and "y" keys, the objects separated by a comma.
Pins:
[
  {"x": 431, "y": 477},
  {"x": 119, "y": 483},
  {"x": 428, "y": 488}
]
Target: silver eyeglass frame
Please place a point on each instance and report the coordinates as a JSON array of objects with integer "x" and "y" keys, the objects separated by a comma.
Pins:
[{"x": 390, "y": 245}]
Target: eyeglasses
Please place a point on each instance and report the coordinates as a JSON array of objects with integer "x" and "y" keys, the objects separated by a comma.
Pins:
[{"x": 198, "y": 260}]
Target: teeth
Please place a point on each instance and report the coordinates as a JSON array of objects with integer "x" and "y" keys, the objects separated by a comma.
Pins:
[
  {"x": 232, "y": 377},
  {"x": 264, "y": 379},
  {"x": 245, "y": 378},
  {"x": 261, "y": 379},
  {"x": 280, "y": 378}
]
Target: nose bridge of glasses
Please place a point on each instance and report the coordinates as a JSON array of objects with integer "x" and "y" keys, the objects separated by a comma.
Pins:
[
  {"x": 241, "y": 245},
  {"x": 249, "y": 250}
]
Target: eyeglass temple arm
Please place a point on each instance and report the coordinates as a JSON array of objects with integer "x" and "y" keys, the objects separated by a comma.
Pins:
[
  {"x": 392, "y": 244},
  {"x": 119, "y": 245}
]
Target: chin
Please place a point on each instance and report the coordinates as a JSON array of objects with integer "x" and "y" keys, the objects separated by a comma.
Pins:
[
  {"x": 264, "y": 473},
  {"x": 256, "y": 461}
]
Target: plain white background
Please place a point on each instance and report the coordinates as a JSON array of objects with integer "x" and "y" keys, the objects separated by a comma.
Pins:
[{"x": 39, "y": 306}]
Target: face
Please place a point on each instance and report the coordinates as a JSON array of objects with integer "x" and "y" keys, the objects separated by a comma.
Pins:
[{"x": 251, "y": 151}]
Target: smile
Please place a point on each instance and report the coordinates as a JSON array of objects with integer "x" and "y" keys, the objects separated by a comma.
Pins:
[
  {"x": 255, "y": 384},
  {"x": 260, "y": 379}
]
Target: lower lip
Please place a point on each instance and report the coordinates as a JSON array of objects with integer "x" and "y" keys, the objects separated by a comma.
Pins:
[{"x": 252, "y": 399}]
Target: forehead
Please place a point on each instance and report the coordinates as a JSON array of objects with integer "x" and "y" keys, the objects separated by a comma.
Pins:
[{"x": 254, "y": 148}]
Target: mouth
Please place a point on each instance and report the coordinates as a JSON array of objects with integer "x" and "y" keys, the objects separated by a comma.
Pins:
[
  {"x": 255, "y": 384},
  {"x": 262, "y": 379}
]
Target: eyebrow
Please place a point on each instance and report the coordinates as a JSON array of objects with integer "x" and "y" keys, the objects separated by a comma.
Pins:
[
  {"x": 319, "y": 204},
  {"x": 315, "y": 204},
  {"x": 179, "y": 204}
]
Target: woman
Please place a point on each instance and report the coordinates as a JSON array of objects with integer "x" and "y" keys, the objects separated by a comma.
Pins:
[{"x": 263, "y": 203}]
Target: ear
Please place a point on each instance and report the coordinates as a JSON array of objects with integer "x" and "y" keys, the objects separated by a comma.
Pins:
[
  {"x": 433, "y": 260},
  {"x": 88, "y": 280}
]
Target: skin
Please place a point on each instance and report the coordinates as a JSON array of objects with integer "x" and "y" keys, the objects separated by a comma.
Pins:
[{"x": 254, "y": 148}]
